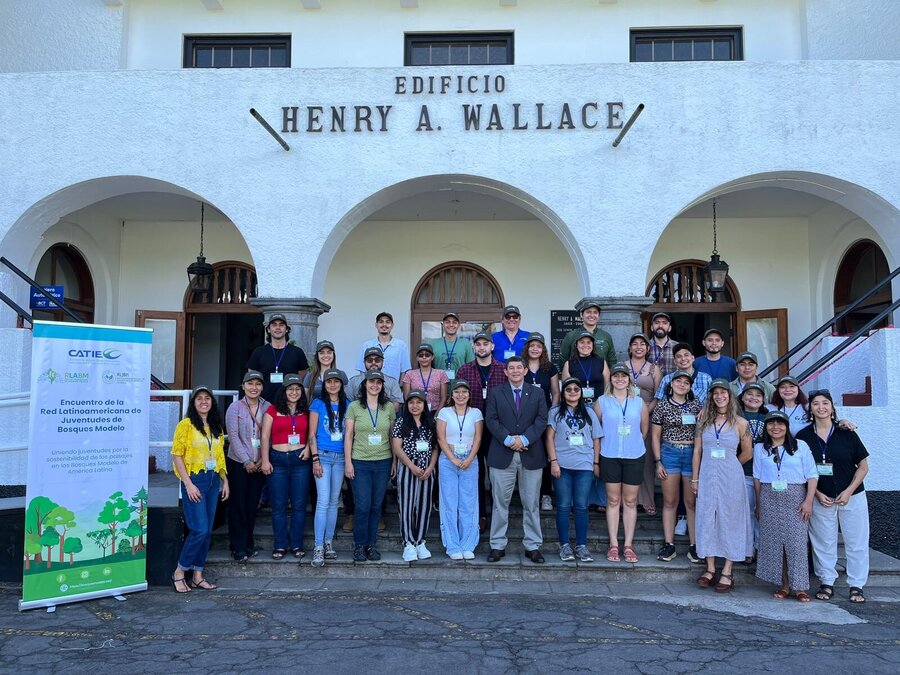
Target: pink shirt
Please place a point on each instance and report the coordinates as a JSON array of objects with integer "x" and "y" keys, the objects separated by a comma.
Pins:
[{"x": 430, "y": 385}]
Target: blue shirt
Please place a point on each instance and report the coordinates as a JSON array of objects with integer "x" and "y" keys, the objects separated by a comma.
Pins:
[
  {"x": 700, "y": 386},
  {"x": 323, "y": 432},
  {"x": 502, "y": 344},
  {"x": 724, "y": 368},
  {"x": 396, "y": 357}
]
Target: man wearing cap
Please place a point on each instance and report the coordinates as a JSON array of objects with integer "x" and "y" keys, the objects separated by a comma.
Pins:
[
  {"x": 394, "y": 351},
  {"x": 516, "y": 417},
  {"x": 451, "y": 351},
  {"x": 661, "y": 347},
  {"x": 684, "y": 360},
  {"x": 511, "y": 340},
  {"x": 747, "y": 365},
  {"x": 373, "y": 359},
  {"x": 277, "y": 357},
  {"x": 603, "y": 344},
  {"x": 714, "y": 363},
  {"x": 483, "y": 374}
]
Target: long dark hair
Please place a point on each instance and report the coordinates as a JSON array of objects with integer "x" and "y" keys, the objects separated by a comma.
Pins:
[
  {"x": 543, "y": 359},
  {"x": 408, "y": 423},
  {"x": 325, "y": 397},
  {"x": 363, "y": 396},
  {"x": 669, "y": 392},
  {"x": 281, "y": 402},
  {"x": 790, "y": 443},
  {"x": 213, "y": 419},
  {"x": 802, "y": 400},
  {"x": 580, "y": 411}
]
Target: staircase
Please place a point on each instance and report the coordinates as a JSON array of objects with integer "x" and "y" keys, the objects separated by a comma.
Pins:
[{"x": 859, "y": 399}]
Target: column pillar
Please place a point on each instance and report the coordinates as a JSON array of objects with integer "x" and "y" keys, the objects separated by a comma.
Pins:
[
  {"x": 302, "y": 315},
  {"x": 620, "y": 316}
]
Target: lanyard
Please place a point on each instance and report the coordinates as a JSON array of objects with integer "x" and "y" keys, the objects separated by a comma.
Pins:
[
  {"x": 484, "y": 379},
  {"x": 461, "y": 424},
  {"x": 425, "y": 382},
  {"x": 636, "y": 373},
  {"x": 208, "y": 439},
  {"x": 253, "y": 416},
  {"x": 756, "y": 427},
  {"x": 534, "y": 375},
  {"x": 374, "y": 419},
  {"x": 587, "y": 373},
  {"x": 571, "y": 420},
  {"x": 279, "y": 358},
  {"x": 791, "y": 414},
  {"x": 293, "y": 423},
  {"x": 779, "y": 460},
  {"x": 680, "y": 406},
  {"x": 621, "y": 408},
  {"x": 449, "y": 351},
  {"x": 718, "y": 430},
  {"x": 824, "y": 446},
  {"x": 658, "y": 351}
]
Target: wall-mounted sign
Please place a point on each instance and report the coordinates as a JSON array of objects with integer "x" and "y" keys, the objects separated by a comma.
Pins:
[
  {"x": 40, "y": 301},
  {"x": 562, "y": 321}
]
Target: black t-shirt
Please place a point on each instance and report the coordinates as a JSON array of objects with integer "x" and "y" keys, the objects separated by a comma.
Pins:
[
  {"x": 757, "y": 423},
  {"x": 590, "y": 371},
  {"x": 291, "y": 359},
  {"x": 542, "y": 379},
  {"x": 844, "y": 452}
]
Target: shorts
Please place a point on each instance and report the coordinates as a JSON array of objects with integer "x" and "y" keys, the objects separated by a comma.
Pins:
[
  {"x": 678, "y": 458},
  {"x": 628, "y": 471}
]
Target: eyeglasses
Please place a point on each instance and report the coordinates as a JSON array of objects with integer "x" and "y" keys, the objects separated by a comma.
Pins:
[
  {"x": 373, "y": 359},
  {"x": 573, "y": 389},
  {"x": 820, "y": 392}
]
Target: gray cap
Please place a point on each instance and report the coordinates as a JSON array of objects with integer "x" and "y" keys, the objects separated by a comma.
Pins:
[
  {"x": 778, "y": 415},
  {"x": 201, "y": 387},
  {"x": 584, "y": 304},
  {"x": 375, "y": 375},
  {"x": 253, "y": 375},
  {"x": 425, "y": 347},
  {"x": 747, "y": 356},
  {"x": 753, "y": 385},
  {"x": 641, "y": 336},
  {"x": 417, "y": 393},
  {"x": 483, "y": 336},
  {"x": 334, "y": 374},
  {"x": 569, "y": 380},
  {"x": 660, "y": 315},
  {"x": 682, "y": 373},
  {"x": 449, "y": 314},
  {"x": 511, "y": 309},
  {"x": 292, "y": 378},
  {"x": 535, "y": 337},
  {"x": 720, "y": 383},
  {"x": 585, "y": 334},
  {"x": 373, "y": 351},
  {"x": 619, "y": 368},
  {"x": 324, "y": 344},
  {"x": 711, "y": 331},
  {"x": 456, "y": 384},
  {"x": 787, "y": 379},
  {"x": 276, "y": 317},
  {"x": 678, "y": 346}
]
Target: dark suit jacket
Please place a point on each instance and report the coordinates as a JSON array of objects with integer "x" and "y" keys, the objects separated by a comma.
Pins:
[{"x": 530, "y": 421}]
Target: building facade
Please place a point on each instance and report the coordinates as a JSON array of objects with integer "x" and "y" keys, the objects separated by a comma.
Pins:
[{"x": 450, "y": 155}]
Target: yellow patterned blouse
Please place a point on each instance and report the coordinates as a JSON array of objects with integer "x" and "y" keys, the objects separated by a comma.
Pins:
[{"x": 195, "y": 448}]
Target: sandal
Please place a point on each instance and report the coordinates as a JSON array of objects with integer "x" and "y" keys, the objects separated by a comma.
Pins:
[
  {"x": 825, "y": 592},
  {"x": 186, "y": 588},
  {"x": 203, "y": 585},
  {"x": 725, "y": 588},
  {"x": 856, "y": 594},
  {"x": 613, "y": 554},
  {"x": 630, "y": 555},
  {"x": 706, "y": 579},
  {"x": 650, "y": 510},
  {"x": 802, "y": 596},
  {"x": 298, "y": 552},
  {"x": 782, "y": 593},
  {"x": 278, "y": 554}
]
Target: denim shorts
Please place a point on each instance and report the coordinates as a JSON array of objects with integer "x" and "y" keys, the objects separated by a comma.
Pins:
[{"x": 678, "y": 458}]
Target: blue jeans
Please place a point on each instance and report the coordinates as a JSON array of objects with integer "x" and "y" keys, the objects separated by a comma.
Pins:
[
  {"x": 459, "y": 505},
  {"x": 328, "y": 492},
  {"x": 199, "y": 517},
  {"x": 288, "y": 482},
  {"x": 369, "y": 483},
  {"x": 572, "y": 489}
]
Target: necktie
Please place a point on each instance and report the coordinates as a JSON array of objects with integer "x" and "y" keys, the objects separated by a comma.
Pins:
[{"x": 518, "y": 393}]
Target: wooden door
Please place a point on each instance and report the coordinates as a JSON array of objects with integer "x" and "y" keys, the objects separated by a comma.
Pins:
[
  {"x": 167, "y": 353},
  {"x": 765, "y": 333}
]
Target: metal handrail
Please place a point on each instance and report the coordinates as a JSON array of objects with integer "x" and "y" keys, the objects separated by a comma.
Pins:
[
  {"x": 833, "y": 320},
  {"x": 848, "y": 341}
]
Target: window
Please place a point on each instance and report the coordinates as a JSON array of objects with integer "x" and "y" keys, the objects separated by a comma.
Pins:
[
  {"x": 237, "y": 51},
  {"x": 687, "y": 44},
  {"x": 458, "y": 49},
  {"x": 63, "y": 265}
]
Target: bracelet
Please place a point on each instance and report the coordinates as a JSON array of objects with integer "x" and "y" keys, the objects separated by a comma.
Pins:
[
  {"x": 657, "y": 460},
  {"x": 596, "y": 463},
  {"x": 315, "y": 458},
  {"x": 554, "y": 460},
  {"x": 695, "y": 481}
]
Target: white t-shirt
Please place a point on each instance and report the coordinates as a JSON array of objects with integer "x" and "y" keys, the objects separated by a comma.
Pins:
[
  {"x": 460, "y": 429},
  {"x": 797, "y": 416}
]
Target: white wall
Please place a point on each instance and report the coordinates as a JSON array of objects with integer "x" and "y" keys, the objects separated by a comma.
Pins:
[
  {"x": 851, "y": 29},
  {"x": 528, "y": 262}
]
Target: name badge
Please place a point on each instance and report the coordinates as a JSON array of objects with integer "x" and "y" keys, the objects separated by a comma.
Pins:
[
  {"x": 779, "y": 486},
  {"x": 624, "y": 430},
  {"x": 421, "y": 446},
  {"x": 576, "y": 440},
  {"x": 484, "y": 393},
  {"x": 825, "y": 469},
  {"x": 587, "y": 392},
  {"x": 535, "y": 384},
  {"x": 210, "y": 465},
  {"x": 718, "y": 452},
  {"x": 276, "y": 378},
  {"x": 294, "y": 439},
  {"x": 450, "y": 372},
  {"x": 374, "y": 439},
  {"x": 461, "y": 450},
  {"x": 255, "y": 443},
  {"x": 508, "y": 354},
  {"x": 336, "y": 436},
  {"x": 688, "y": 419},
  {"x": 636, "y": 390}
]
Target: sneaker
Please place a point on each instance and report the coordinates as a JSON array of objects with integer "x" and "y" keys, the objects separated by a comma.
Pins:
[
  {"x": 409, "y": 553},
  {"x": 681, "y": 526},
  {"x": 239, "y": 557},
  {"x": 455, "y": 556},
  {"x": 372, "y": 553},
  {"x": 584, "y": 553},
  {"x": 667, "y": 553},
  {"x": 566, "y": 553},
  {"x": 422, "y": 553},
  {"x": 330, "y": 553},
  {"x": 692, "y": 555},
  {"x": 546, "y": 503},
  {"x": 468, "y": 555},
  {"x": 318, "y": 556},
  {"x": 253, "y": 553},
  {"x": 359, "y": 554}
]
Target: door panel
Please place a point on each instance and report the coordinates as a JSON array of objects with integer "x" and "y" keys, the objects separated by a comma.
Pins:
[
  {"x": 764, "y": 332},
  {"x": 167, "y": 351}
]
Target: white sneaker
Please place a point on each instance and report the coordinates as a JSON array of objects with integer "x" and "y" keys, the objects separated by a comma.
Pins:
[
  {"x": 681, "y": 526},
  {"x": 422, "y": 553},
  {"x": 455, "y": 556},
  {"x": 409, "y": 553},
  {"x": 468, "y": 555},
  {"x": 546, "y": 503}
]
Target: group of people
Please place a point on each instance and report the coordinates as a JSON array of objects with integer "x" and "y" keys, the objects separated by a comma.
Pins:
[{"x": 759, "y": 469}]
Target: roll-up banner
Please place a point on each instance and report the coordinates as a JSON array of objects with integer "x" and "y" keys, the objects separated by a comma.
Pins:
[{"x": 86, "y": 497}]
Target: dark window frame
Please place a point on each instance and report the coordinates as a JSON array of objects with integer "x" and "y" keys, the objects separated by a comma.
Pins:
[
  {"x": 733, "y": 33},
  {"x": 191, "y": 42},
  {"x": 412, "y": 39}
]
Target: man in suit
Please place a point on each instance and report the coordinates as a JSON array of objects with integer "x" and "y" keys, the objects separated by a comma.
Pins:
[{"x": 516, "y": 416}]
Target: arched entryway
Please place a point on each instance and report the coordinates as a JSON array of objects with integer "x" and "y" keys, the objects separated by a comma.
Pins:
[
  {"x": 460, "y": 287},
  {"x": 64, "y": 265},
  {"x": 862, "y": 267}
]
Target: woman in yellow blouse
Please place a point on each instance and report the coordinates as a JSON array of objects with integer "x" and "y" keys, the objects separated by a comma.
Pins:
[{"x": 199, "y": 458}]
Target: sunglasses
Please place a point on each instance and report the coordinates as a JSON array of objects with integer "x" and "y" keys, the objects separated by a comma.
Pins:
[
  {"x": 572, "y": 389},
  {"x": 819, "y": 392},
  {"x": 373, "y": 359}
]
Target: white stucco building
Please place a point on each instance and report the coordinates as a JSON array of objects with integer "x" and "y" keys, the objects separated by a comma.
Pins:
[{"x": 112, "y": 139}]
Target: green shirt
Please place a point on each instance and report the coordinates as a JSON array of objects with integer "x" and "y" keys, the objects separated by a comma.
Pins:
[
  {"x": 603, "y": 346},
  {"x": 362, "y": 429},
  {"x": 460, "y": 353}
]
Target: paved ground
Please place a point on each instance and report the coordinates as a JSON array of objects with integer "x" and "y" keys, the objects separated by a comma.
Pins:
[{"x": 352, "y": 625}]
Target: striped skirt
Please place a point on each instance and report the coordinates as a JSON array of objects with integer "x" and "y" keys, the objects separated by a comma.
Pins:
[
  {"x": 414, "y": 501},
  {"x": 782, "y": 532}
]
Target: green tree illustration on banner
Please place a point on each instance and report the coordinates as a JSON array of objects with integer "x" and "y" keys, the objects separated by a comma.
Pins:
[
  {"x": 124, "y": 547},
  {"x": 72, "y": 546},
  {"x": 100, "y": 538},
  {"x": 136, "y": 532},
  {"x": 62, "y": 520},
  {"x": 115, "y": 512},
  {"x": 39, "y": 510},
  {"x": 139, "y": 508},
  {"x": 49, "y": 539}
]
